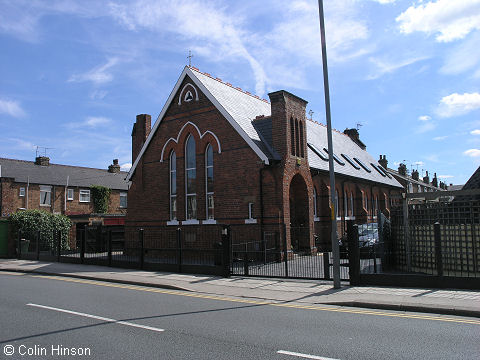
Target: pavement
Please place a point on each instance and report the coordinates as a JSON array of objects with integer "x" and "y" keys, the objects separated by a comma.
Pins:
[{"x": 438, "y": 301}]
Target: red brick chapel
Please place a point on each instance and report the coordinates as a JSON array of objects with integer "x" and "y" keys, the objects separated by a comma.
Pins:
[{"x": 219, "y": 155}]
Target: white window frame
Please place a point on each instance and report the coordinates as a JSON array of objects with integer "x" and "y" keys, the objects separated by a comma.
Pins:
[
  {"x": 83, "y": 192},
  {"x": 21, "y": 192},
  {"x": 46, "y": 189},
  {"x": 352, "y": 206},
  {"x": 124, "y": 195},
  {"x": 207, "y": 193},
  {"x": 251, "y": 219},
  {"x": 72, "y": 193}
]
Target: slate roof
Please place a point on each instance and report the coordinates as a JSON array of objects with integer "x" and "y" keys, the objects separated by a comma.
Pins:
[
  {"x": 22, "y": 171},
  {"x": 474, "y": 181},
  {"x": 241, "y": 109}
]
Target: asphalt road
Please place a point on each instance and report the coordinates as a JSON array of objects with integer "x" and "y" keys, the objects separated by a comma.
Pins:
[{"x": 46, "y": 316}]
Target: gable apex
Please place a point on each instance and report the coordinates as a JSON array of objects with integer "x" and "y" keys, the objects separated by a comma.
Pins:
[{"x": 197, "y": 81}]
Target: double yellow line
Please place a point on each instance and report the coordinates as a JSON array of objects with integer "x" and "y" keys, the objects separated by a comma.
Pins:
[{"x": 260, "y": 302}]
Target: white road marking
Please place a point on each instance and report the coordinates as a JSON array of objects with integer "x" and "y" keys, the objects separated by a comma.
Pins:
[
  {"x": 305, "y": 356},
  {"x": 98, "y": 317}
]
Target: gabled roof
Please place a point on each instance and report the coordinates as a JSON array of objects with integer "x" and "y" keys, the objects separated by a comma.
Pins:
[
  {"x": 251, "y": 118},
  {"x": 27, "y": 171},
  {"x": 237, "y": 106},
  {"x": 473, "y": 182},
  {"x": 343, "y": 145}
]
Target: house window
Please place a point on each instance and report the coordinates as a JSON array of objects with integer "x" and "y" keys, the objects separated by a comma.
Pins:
[
  {"x": 173, "y": 186},
  {"x": 45, "y": 195},
  {"x": 84, "y": 196},
  {"x": 123, "y": 199},
  {"x": 376, "y": 206},
  {"x": 345, "y": 204},
  {"x": 314, "y": 202},
  {"x": 365, "y": 202},
  {"x": 69, "y": 194},
  {"x": 190, "y": 178},
  {"x": 386, "y": 202},
  {"x": 21, "y": 192},
  {"x": 209, "y": 181}
]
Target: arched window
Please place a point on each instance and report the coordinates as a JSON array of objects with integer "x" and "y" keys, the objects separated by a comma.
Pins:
[
  {"x": 345, "y": 204},
  {"x": 365, "y": 201},
  {"x": 301, "y": 140},
  {"x": 337, "y": 203},
  {"x": 190, "y": 178},
  {"x": 297, "y": 145},
  {"x": 352, "y": 205},
  {"x": 292, "y": 136},
  {"x": 209, "y": 181},
  {"x": 314, "y": 202},
  {"x": 376, "y": 206},
  {"x": 173, "y": 186}
]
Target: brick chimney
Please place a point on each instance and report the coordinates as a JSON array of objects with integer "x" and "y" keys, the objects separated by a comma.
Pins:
[
  {"x": 415, "y": 175},
  {"x": 383, "y": 161},
  {"x": 141, "y": 130},
  {"x": 402, "y": 169},
  {"x": 435, "y": 180},
  {"x": 355, "y": 136},
  {"x": 289, "y": 135},
  {"x": 426, "y": 179},
  {"x": 114, "y": 168},
  {"x": 42, "y": 161}
]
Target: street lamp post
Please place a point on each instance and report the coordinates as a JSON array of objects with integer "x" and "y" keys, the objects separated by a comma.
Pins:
[{"x": 335, "y": 247}]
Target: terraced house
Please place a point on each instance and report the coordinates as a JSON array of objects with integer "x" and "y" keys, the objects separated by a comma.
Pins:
[
  {"x": 61, "y": 189},
  {"x": 219, "y": 155}
]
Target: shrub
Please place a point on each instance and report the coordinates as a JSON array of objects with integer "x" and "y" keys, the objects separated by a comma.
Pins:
[
  {"x": 31, "y": 221},
  {"x": 101, "y": 197}
]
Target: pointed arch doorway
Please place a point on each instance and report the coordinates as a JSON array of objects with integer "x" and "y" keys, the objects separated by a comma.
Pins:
[{"x": 299, "y": 215}]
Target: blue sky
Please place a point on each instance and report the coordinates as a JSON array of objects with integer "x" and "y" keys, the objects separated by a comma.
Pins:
[{"x": 73, "y": 74}]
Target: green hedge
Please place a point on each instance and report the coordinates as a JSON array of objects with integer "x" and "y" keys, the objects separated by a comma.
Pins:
[{"x": 31, "y": 221}]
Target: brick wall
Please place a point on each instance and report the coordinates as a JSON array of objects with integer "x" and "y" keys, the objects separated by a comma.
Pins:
[{"x": 12, "y": 201}]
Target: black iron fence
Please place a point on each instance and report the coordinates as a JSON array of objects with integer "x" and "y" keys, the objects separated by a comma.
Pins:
[{"x": 267, "y": 254}]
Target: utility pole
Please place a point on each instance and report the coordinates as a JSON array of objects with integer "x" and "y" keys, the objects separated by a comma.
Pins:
[{"x": 335, "y": 247}]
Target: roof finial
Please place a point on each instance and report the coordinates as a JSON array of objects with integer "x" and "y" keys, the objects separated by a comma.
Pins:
[
  {"x": 189, "y": 57},
  {"x": 310, "y": 112}
]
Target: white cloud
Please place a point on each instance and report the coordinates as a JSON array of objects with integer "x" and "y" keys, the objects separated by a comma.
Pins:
[
  {"x": 463, "y": 57},
  {"x": 475, "y": 132},
  {"x": 11, "y": 108},
  {"x": 424, "y": 118},
  {"x": 445, "y": 176},
  {"x": 21, "y": 144},
  {"x": 97, "y": 75},
  {"x": 125, "y": 167},
  {"x": 472, "y": 152},
  {"x": 450, "y": 20},
  {"x": 383, "y": 67},
  {"x": 440, "y": 138},
  {"x": 458, "y": 104},
  {"x": 419, "y": 163},
  {"x": 90, "y": 122}
]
